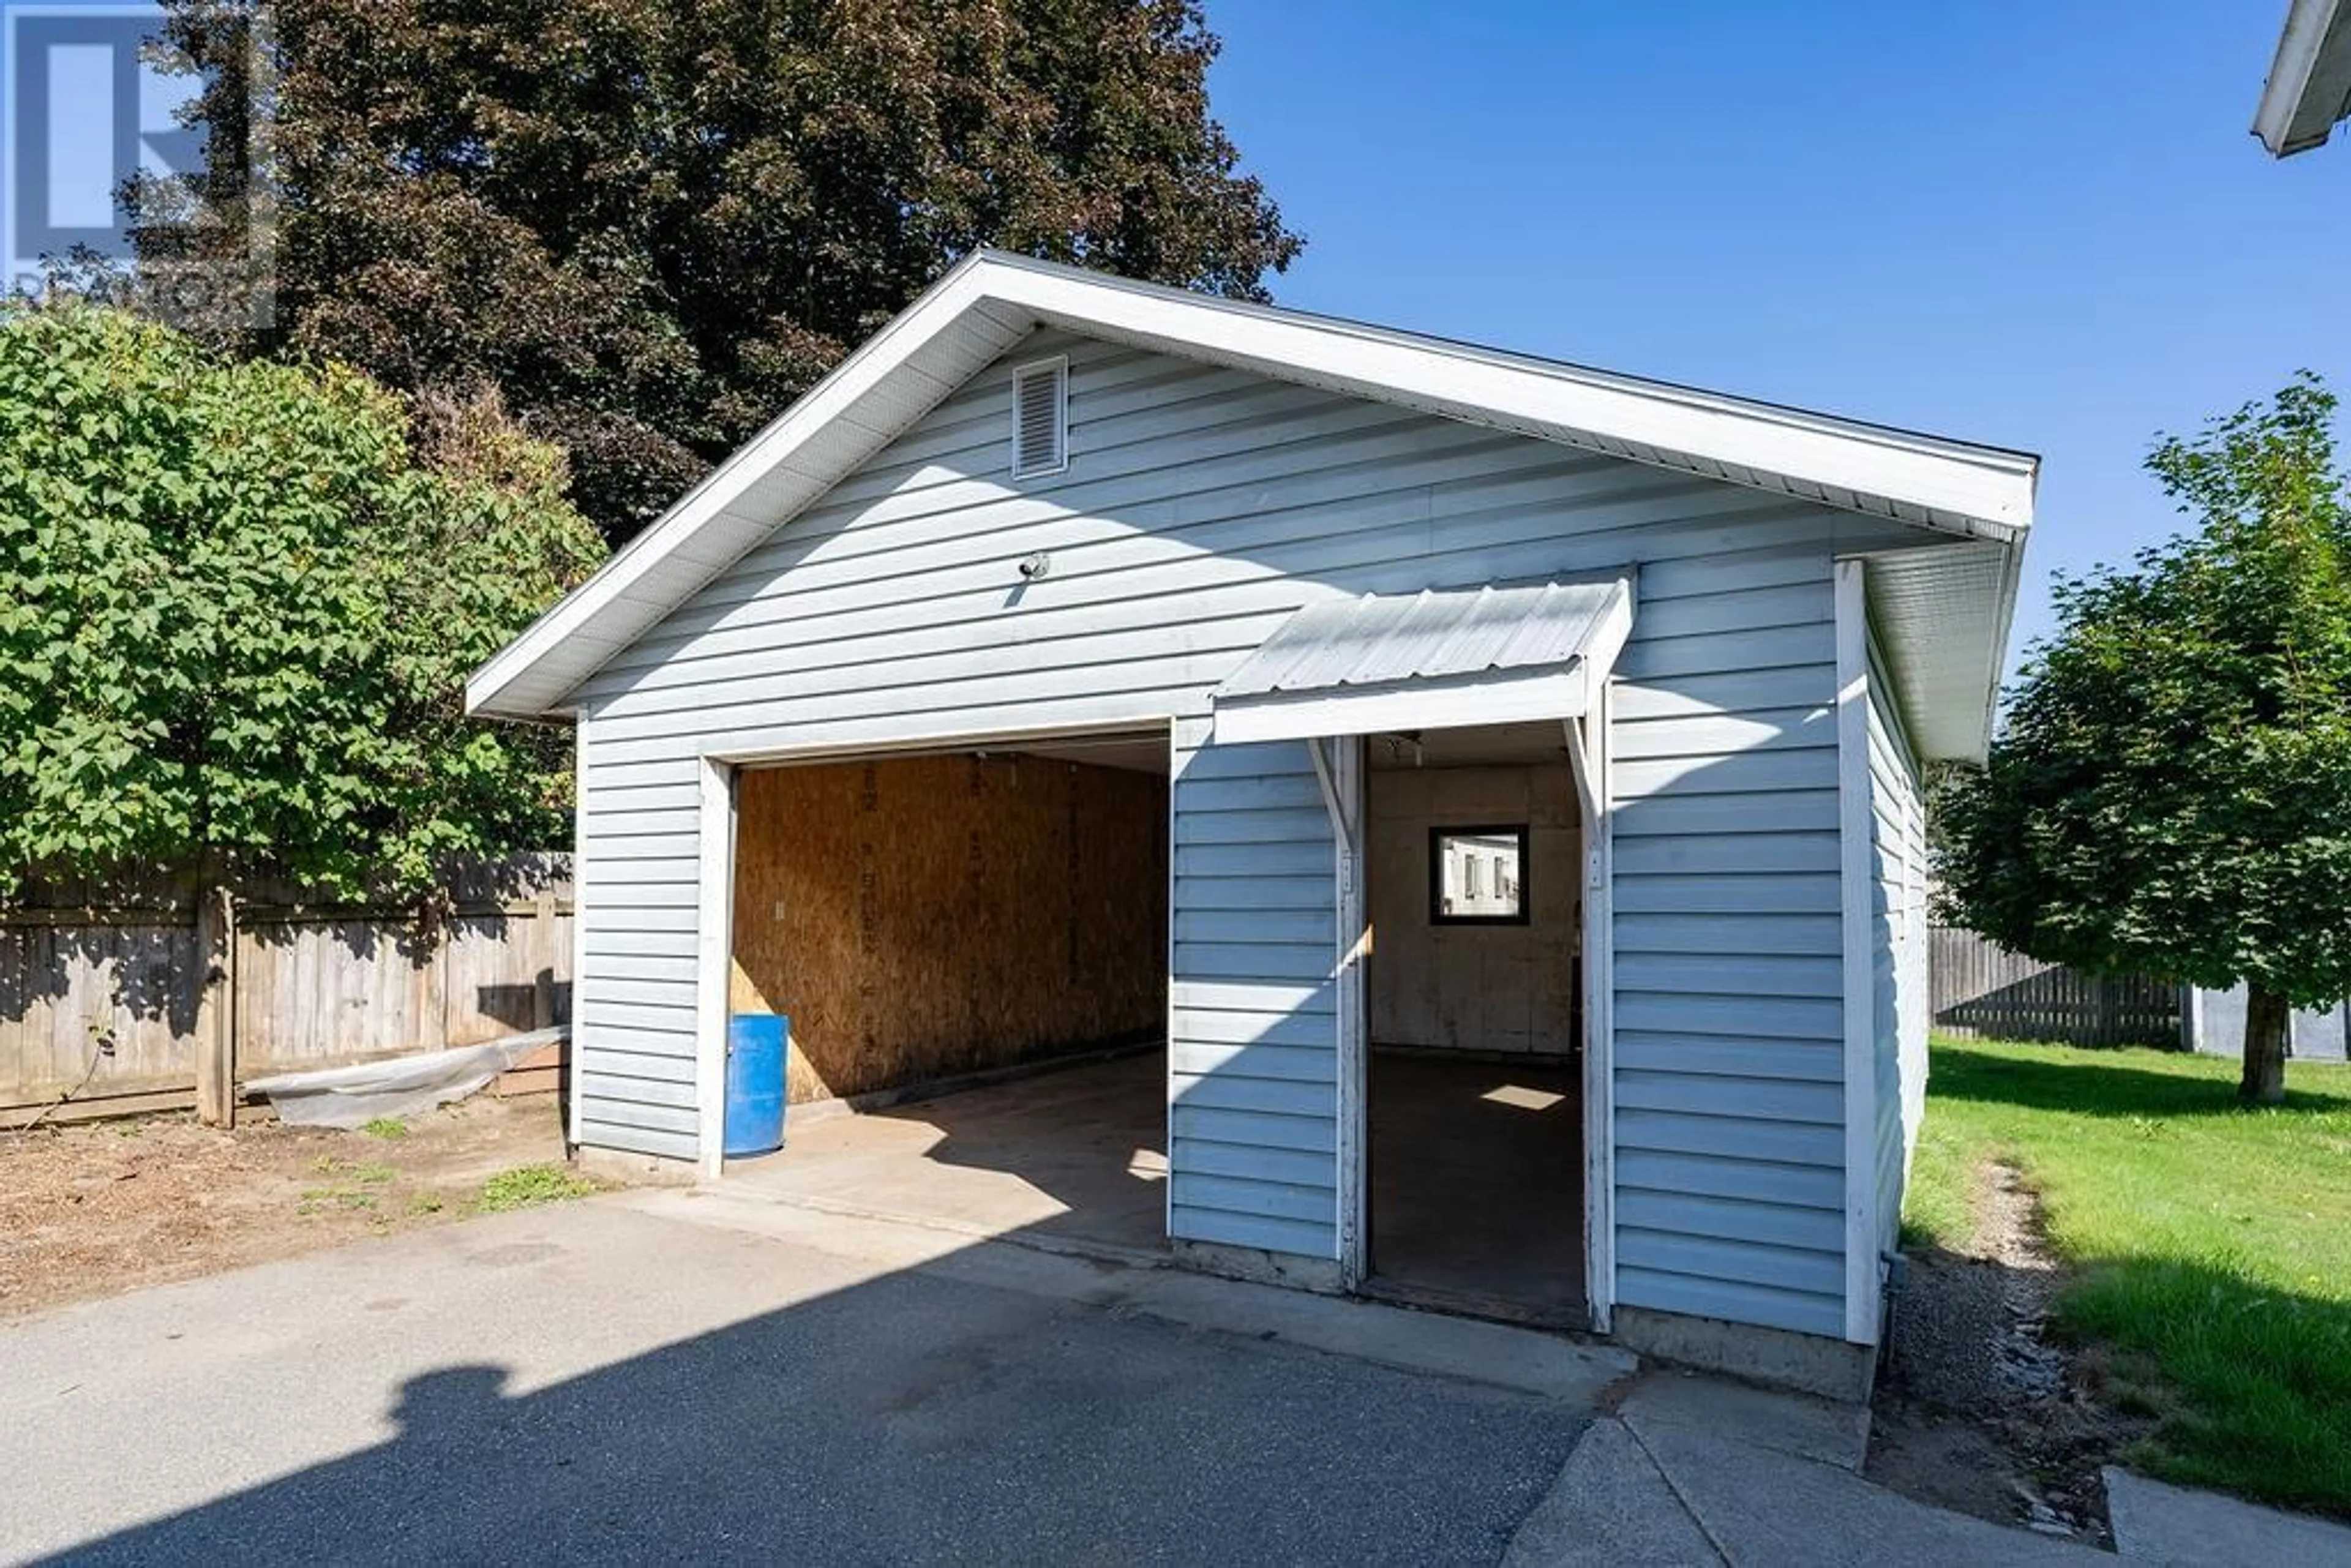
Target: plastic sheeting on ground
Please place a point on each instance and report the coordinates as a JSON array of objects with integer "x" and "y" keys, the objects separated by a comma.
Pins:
[{"x": 404, "y": 1086}]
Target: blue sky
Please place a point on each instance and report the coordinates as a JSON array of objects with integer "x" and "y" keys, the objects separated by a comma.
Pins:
[{"x": 2040, "y": 226}]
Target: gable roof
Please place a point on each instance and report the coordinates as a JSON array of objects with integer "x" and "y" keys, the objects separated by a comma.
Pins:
[{"x": 990, "y": 301}]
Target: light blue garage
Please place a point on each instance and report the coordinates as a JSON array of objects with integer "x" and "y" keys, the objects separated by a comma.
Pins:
[{"x": 1508, "y": 712}]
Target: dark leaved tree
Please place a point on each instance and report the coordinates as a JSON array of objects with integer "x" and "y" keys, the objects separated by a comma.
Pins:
[
  {"x": 2172, "y": 789},
  {"x": 653, "y": 223}
]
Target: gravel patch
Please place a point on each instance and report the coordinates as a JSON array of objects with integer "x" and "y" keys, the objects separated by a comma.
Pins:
[{"x": 1979, "y": 1410}]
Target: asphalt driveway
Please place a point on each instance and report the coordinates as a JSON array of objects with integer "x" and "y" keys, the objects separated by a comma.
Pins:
[{"x": 667, "y": 1376}]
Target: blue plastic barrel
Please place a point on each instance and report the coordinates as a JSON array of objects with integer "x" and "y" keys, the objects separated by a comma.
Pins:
[{"x": 755, "y": 1044}]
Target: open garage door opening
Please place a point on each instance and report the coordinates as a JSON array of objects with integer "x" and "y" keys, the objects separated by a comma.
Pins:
[
  {"x": 1473, "y": 1001},
  {"x": 971, "y": 948}
]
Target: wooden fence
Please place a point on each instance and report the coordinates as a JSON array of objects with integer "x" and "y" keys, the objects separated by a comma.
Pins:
[
  {"x": 1981, "y": 991},
  {"x": 119, "y": 995}
]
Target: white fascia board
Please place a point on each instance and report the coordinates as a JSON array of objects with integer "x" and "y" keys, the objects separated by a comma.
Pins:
[
  {"x": 882, "y": 356},
  {"x": 1606, "y": 643},
  {"x": 2309, "y": 85},
  {"x": 1496, "y": 698},
  {"x": 1992, "y": 488}
]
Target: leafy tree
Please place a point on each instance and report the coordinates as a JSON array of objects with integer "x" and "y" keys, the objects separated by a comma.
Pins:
[
  {"x": 238, "y": 603},
  {"x": 2171, "y": 790},
  {"x": 656, "y": 223}
]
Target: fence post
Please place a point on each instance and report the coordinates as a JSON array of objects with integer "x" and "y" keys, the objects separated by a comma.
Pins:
[
  {"x": 216, "y": 1008},
  {"x": 543, "y": 947}
]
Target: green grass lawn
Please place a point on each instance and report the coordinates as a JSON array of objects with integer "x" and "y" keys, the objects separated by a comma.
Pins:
[{"x": 2213, "y": 1244}]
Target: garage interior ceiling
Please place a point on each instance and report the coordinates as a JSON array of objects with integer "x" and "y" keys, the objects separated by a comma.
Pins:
[
  {"x": 1485, "y": 746},
  {"x": 1135, "y": 753}
]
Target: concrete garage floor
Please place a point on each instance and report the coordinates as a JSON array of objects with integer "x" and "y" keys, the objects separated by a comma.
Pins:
[
  {"x": 1074, "y": 1155},
  {"x": 1477, "y": 1198}
]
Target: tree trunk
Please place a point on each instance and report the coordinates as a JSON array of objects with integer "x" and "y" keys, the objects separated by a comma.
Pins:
[{"x": 2266, "y": 1020}]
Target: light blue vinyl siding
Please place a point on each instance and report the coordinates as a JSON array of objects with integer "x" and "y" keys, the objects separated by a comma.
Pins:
[
  {"x": 1200, "y": 508},
  {"x": 1899, "y": 979},
  {"x": 1729, "y": 990},
  {"x": 1253, "y": 1052},
  {"x": 633, "y": 1001}
]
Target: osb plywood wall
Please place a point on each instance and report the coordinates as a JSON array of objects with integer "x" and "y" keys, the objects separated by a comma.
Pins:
[
  {"x": 1473, "y": 988},
  {"x": 920, "y": 917}
]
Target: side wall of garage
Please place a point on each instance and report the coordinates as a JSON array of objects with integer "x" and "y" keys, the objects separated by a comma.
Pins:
[
  {"x": 1201, "y": 508},
  {"x": 1897, "y": 927}
]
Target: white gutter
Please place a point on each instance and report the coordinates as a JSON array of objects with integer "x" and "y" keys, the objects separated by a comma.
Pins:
[{"x": 2309, "y": 86}]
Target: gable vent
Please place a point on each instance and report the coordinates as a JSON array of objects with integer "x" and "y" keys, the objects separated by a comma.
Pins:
[{"x": 1041, "y": 418}]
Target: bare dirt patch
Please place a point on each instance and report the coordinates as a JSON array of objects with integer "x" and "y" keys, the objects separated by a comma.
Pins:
[
  {"x": 1978, "y": 1411},
  {"x": 101, "y": 1208}
]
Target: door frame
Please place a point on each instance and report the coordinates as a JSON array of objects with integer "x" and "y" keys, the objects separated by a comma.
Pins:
[
  {"x": 714, "y": 948},
  {"x": 717, "y": 773},
  {"x": 1589, "y": 757},
  {"x": 1340, "y": 772}
]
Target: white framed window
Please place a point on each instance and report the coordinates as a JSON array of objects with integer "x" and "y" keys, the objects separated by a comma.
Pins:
[{"x": 1477, "y": 875}]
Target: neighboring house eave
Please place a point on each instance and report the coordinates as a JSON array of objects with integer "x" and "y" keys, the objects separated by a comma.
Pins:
[
  {"x": 2309, "y": 86},
  {"x": 989, "y": 302}
]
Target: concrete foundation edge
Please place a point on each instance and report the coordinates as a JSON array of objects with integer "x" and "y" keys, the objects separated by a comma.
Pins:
[
  {"x": 1808, "y": 1363},
  {"x": 634, "y": 1170},
  {"x": 1259, "y": 1266}
]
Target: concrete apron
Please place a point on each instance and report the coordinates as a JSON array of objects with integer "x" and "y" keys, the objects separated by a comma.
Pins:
[
  {"x": 1496, "y": 1354},
  {"x": 1681, "y": 1468},
  {"x": 1693, "y": 1469},
  {"x": 2155, "y": 1522}
]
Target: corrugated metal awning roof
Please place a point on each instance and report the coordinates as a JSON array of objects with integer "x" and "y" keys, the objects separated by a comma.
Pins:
[
  {"x": 1444, "y": 656},
  {"x": 1377, "y": 639}
]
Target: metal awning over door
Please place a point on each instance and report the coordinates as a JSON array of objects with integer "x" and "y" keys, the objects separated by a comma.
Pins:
[{"x": 1497, "y": 654}]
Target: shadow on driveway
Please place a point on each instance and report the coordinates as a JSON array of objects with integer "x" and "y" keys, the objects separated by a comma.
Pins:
[{"x": 921, "y": 1414}]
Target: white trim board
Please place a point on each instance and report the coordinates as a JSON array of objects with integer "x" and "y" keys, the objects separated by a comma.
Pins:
[
  {"x": 713, "y": 951},
  {"x": 989, "y": 302},
  {"x": 1862, "y": 1284},
  {"x": 1167, "y": 993},
  {"x": 576, "y": 1112},
  {"x": 949, "y": 742},
  {"x": 1342, "y": 780},
  {"x": 1500, "y": 697},
  {"x": 1590, "y": 754}
]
